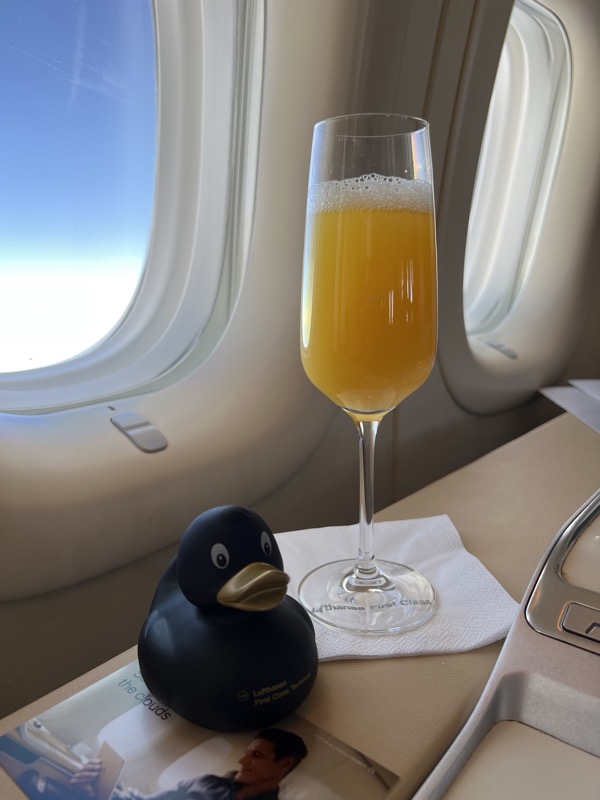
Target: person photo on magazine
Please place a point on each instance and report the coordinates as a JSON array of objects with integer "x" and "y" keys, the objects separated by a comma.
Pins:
[{"x": 270, "y": 756}]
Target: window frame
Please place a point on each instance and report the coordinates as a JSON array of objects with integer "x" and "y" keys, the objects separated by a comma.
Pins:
[
  {"x": 207, "y": 145},
  {"x": 533, "y": 347},
  {"x": 517, "y": 166}
]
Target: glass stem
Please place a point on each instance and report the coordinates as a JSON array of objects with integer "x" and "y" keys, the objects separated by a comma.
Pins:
[{"x": 366, "y": 566}]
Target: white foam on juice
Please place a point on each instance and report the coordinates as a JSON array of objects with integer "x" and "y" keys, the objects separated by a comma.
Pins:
[{"x": 374, "y": 192}]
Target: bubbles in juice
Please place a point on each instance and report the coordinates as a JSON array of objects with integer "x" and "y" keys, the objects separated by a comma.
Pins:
[
  {"x": 369, "y": 314},
  {"x": 373, "y": 191}
]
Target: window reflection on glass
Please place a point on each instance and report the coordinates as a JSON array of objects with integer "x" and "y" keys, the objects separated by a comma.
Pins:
[{"x": 77, "y": 167}]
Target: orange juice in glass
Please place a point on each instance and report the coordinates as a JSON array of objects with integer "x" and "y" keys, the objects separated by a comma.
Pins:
[
  {"x": 369, "y": 318},
  {"x": 369, "y": 331}
]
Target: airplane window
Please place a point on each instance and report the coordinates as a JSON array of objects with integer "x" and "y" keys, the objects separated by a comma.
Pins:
[
  {"x": 77, "y": 156},
  {"x": 130, "y": 143},
  {"x": 517, "y": 165},
  {"x": 518, "y": 207}
]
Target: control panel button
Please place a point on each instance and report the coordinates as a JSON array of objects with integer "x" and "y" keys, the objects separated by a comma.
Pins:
[
  {"x": 582, "y": 620},
  {"x": 140, "y": 431}
]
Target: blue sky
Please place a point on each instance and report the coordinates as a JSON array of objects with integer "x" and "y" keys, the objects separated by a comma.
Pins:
[
  {"x": 77, "y": 131},
  {"x": 77, "y": 171}
]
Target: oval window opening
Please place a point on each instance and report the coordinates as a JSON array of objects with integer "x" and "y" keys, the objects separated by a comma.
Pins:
[
  {"x": 517, "y": 166},
  {"x": 78, "y": 160}
]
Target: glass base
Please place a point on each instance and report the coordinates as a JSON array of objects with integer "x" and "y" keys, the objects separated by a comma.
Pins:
[{"x": 397, "y": 599}]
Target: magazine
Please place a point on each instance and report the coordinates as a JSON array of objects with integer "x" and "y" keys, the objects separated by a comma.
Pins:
[{"x": 115, "y": 741}]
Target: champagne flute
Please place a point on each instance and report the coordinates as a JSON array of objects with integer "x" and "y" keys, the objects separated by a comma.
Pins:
[{"x": 369, "y": 331}]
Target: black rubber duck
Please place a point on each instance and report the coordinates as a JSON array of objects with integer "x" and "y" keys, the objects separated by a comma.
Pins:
[{"x": 223, "y": 645}]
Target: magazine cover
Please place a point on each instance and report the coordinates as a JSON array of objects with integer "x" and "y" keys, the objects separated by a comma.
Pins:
[{"x": 115, "y": 741}]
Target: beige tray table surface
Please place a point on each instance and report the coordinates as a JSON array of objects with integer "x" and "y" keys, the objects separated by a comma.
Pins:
[{"x": 404, "y": 712}]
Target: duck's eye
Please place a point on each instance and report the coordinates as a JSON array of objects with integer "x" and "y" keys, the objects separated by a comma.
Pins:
[
  {"x": 220, "y": 555},
  {"x": 265, "y": 543}
]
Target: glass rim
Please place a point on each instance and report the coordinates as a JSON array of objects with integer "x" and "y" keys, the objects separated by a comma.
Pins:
[{"x": 422, "y": 125}]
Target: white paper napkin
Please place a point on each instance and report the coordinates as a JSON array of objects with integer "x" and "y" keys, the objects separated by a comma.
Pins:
[{"x": 472, "y": 607}]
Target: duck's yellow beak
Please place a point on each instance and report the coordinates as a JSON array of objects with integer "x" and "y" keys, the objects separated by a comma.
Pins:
[{"x": 257, "y": 587}]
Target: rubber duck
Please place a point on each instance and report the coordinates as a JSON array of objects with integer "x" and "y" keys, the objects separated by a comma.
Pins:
[{"x": 223, "y": 645}]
